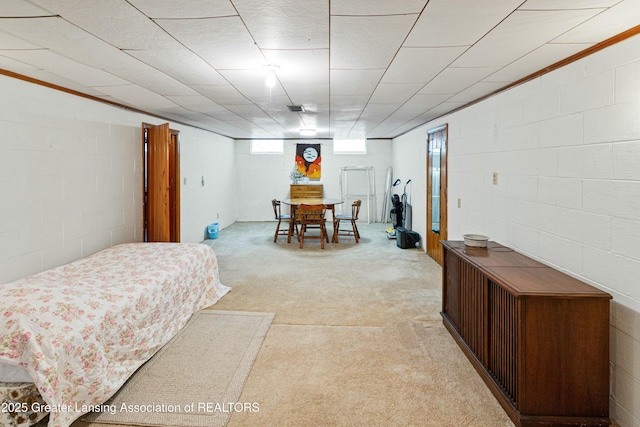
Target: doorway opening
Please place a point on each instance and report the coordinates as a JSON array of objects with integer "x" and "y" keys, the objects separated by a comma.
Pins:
[
  {"x": 436, "y": 191},
  {"x": 161, "y": 183}
]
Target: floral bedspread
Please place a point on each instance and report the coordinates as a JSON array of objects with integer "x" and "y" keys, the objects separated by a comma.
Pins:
[{"x": 82, "y": 329}]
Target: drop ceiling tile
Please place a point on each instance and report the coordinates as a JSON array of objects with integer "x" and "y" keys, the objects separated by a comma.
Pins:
[
  {"x": 376, "y": 7},
  {"x": 308, "y": 95},
  {"x": 300, "y": 66},
  {"x": 457, "y": 22},
  {"x": 223, "y": 95},
  {"x": 66, "y": 68},
  {"x": 452, "y": 80},
  {"x": 198, "y": 103},
  {"x": 349, "y": 102},
  {"x": 9, "y": 41},
  {"x": 536, "y": 60},
  {"x": 365, "y": 42},
  {"x": 180, "y": 9},
  {"x": 21, "y": 8},
  {"x": 474, "y": 92},
  {"x": 394, "y": 93},
  {"x": 566, "y": 4},
  {"x": 615, "y": 20},
  {"x": 519, "y": 34},
  {"x": 62, "y": 37},
  {"x": 182, "y": 65},
  {"x": 424, "y": 102},
  {"x": 126, "y": 27},
  {"x": 284, "y": 24},
  {"x": 14, "y": 65},
  {"x": 138, "y": 97},
  {"x": 354, "y": 82},
  {"x": 420, "y": 65},
  {"x": 222, "y": 42}
]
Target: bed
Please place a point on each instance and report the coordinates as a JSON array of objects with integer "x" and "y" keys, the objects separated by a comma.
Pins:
[{"x": 77, "y": 332}]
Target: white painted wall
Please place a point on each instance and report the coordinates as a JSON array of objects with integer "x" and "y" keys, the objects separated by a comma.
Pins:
[
  {"x": 71, "y": 178},
  {"x": 209, "y": 157},
  {"x": 263, "y": 177},
  {"x": 566, "y": 147}
]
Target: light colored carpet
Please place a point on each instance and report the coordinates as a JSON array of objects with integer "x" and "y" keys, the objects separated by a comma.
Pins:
[
  {"x": 358, "y": 339},
  {"x": 197, "y": 378}
]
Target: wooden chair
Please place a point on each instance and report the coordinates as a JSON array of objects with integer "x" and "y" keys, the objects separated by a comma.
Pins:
[
  {"x": 280, "y": 217},
  {"x": 355, "y": 211},
  {"x": 312, "y": 216}
]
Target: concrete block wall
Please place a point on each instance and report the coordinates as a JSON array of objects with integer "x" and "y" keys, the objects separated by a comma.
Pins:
[
  {"x": 263, "y": 177},
  {"x": 566, "y": 148},
  {"x": 71, "y": 178}
]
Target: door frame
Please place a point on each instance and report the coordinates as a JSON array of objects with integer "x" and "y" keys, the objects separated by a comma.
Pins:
[
  {"x": 167, "y": 192},
  {"x": 437, "y": 139}
]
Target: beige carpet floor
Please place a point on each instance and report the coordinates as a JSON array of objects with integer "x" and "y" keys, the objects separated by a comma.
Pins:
[{"x": 357, "y": 339}]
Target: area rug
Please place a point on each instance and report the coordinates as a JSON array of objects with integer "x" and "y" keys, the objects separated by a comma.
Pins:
[{"x": 197, "y": 378}]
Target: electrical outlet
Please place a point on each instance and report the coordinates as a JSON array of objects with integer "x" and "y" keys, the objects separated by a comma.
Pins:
[
  {"x": 495, "y": 178},
  {"x": 459, "y": 203},
  {"x": 218, "y": 215}
]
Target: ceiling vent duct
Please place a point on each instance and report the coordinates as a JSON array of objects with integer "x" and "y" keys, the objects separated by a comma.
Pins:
[{"x": 296, "y": 108}]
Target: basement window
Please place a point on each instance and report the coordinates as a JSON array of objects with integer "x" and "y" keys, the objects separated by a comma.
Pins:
[
  {"x": 350, "y": 146},
  {"x": 267, "y": 146}
]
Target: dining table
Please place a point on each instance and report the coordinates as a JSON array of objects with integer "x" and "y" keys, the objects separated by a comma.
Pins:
[{"x": 327, "y": 203}]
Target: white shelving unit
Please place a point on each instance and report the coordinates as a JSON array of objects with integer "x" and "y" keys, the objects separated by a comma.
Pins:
[{"x": 359, "y": 182}]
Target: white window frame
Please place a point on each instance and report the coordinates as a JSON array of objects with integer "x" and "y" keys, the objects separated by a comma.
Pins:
[
  {"x": 349, "y": 146},
  {"x": 267, "y": 146}
]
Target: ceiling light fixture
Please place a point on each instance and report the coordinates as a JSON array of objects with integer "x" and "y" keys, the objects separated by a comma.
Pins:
[
  {"x": 271, "y": 79},
  {"x": 307, "y": 132}
]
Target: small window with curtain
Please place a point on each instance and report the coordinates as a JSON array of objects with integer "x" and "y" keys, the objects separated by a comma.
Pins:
[
  {"x": 267, "y": 146},
  {"x": 349, "y": 146}
]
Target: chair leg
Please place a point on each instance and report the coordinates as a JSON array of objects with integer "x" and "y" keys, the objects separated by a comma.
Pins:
[
  {"x": 301, "y": 235},
  {"x": 356, "y": 234},
  {"x": 275, "y": 237}
]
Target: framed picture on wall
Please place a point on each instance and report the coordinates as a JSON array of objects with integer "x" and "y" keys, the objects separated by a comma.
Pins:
[{"x": 308, "y": 160}]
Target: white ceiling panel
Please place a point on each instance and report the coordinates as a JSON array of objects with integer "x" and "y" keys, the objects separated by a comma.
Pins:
[
  {"x": 365, "y": 42},
  {"x": 182, "y": 65},
  {"x": 425, "y": 102},
  {"x": 607, "y": 24},
  {"x": 519, "y": 34},
  {"x": 299, "y": 66},
  {"x": 453, "y": 80},
  {"x": 376, "y": 7},
  {"x": 283, "y": 24},
  {"x": 420, "y": 65},
  {"x": 224, "y": 43},
  {"x": 181, "y": 9},
  {"x": 394, "y": 93},
  {"x": 567, "y": 4},
  {"x": 355, "y": 82},
  {"x": 361, "y": 68},
  {"x": 474, "y": 92},
  {"x": 536, "y": 60},
  {"x": 62, "y": 37},
  {"x": 138, "y": 96},
  {"x": 126, "y": 27},
  {"x": 9, "y": 41},
  {"x": 66, "y": 68},
  {"x": 20, "y": 8},
  {"x": 458, "y": 22}
]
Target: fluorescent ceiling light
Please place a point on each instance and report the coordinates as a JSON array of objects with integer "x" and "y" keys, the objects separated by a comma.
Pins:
[{"x": 308, "y": 132}]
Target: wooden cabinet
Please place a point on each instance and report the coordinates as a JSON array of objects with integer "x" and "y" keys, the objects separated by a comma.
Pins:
[
  {"x": 538, "y": 337},
  {"x": 305, "y": 191}
]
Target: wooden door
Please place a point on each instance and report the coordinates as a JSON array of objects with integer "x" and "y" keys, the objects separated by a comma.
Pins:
[
  {"x": 436, "y": 191},
  {"x": 161, "y": 184}
]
